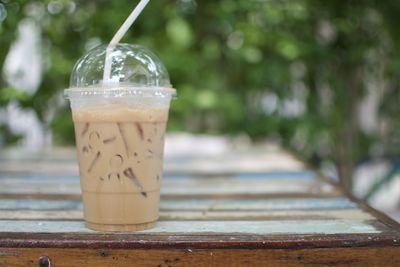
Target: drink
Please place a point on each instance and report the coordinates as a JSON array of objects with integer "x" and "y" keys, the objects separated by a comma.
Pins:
[
  {"x": 119, "y": 130},
  {"x": 120, "y": 152}
]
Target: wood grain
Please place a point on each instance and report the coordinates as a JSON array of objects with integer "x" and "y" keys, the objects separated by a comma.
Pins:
[
  {"x": 141, "y": 240},
  {"x": 386, "y": 256},
  {"x": 234, "y": 211}
]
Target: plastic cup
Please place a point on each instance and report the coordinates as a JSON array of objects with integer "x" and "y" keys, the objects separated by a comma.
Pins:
[{"x": 119, "y": 131}]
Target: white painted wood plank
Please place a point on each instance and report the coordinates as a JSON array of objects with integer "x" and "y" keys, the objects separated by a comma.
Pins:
[
  {"x": 190, "y": 227},
  {"x": 38, "y": 204},
  {"x": 176, "y": 185},
  {"x": 353, "y": 214},
  {"x": 232, "y": 186},
  {"x": 64, "y": 160}
]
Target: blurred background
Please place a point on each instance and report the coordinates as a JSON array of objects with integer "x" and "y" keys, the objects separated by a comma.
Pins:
[{"x": 318, "y": 78}]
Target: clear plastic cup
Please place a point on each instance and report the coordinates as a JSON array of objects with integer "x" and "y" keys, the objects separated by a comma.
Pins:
[{"x": 119, "y": 130}]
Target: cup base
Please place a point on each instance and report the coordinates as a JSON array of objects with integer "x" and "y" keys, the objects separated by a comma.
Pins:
[{"x": 120, "y": 227}]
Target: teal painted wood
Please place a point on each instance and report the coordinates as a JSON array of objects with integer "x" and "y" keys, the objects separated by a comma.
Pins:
[
  {"x": 260, "y": 204},
  {"x": 198, "y": 204},
  {"x": 275, "y": 175},
  {"x": 222, "y": 227},
  {"x": 283, "y": 175}
]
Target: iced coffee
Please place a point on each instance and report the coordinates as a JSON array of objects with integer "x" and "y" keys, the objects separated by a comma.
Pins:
[
  {"x": 119, "y": 132},
  {"x": 120, "y": 155}
]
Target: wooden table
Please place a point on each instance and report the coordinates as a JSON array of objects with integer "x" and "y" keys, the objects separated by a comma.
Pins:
[{"x": 227, "y": 215}]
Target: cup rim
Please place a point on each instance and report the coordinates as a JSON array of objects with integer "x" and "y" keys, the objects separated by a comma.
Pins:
[{"x": 119, "y": 91}]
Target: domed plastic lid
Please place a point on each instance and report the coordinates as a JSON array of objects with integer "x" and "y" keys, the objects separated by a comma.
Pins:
[{"x": 134, "y": 70}]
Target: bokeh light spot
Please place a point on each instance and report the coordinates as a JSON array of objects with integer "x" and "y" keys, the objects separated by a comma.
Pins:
[
  {"x": 54, "y": 7},
  {"x": 3, "y": 13}
]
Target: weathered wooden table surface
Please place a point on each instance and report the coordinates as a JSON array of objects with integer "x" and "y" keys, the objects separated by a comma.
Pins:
[{"x": 241, "y": 209}]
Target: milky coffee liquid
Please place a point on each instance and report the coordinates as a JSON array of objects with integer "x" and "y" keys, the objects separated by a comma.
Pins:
[{"x": 120, "y": 154}]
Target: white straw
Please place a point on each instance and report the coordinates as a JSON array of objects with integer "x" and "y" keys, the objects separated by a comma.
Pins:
[{"x": 118, "y": 36}]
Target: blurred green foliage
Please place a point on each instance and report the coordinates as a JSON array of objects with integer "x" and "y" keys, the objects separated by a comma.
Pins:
[{"x": 292, "y": 71}]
